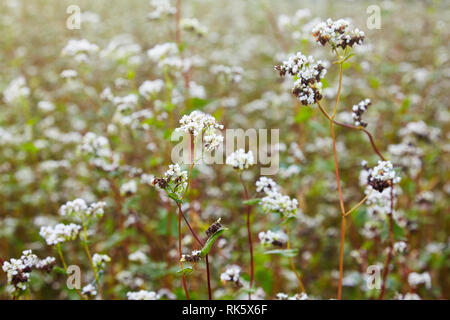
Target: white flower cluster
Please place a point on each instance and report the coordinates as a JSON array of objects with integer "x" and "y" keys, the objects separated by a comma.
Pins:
[
  {"x": 407, "y": 296},
  {"x": 89, "y": 290},
  {"x": 79, "y": 49},
  {"x": 266, "y": 184},
  {"x": 138, "y": 256},
  {"x": 126, "y": 103},
  {"x": 232, "y": 274},
  {"x": 274, "y": 201},
  {"x": 45, "y": 264},
  {"x": 161, "y": 8},
  {"x": 98, "y": 147},
  {"x": 128, "y": 188},
  {"x": 95, "y": 145},
  {"x": 307, "y": 88},
  {"x": 400, "y": 247},
  {"x": 420, "y": 129},
  {"x": 198, "y": 123},
  {"x": 15, "y": 90},
  {"x": 384, "y": 171},
  {"x": 284, "y": 296},
  {"x": 337, "y": 34},
  {"x": 67, "y": 74},
  {"x": 143, "y": 295},
  {"x": 148, "y": 88},
  {"x": 240, "y": 159},
  {"x": 175, "y": 174},
  {"x": 358, "y": 111},
  {"x": 100, "y": 260},
  {"x": 277, "y": 238},
  {"x": 234, "y": 73},
  {"x": 379, "y": 203},
  {"x": 46, "y": 106},
  {"x": 18, "y": 270},
  {"x": 59, "y": 233},
  {"x": 174, "y": 178},
  {"x": 193, "y": 25},
  {"x": 79, "y": 210},
  {"x": 162, "y": 50},
  {"x": 415, "y": 279}
]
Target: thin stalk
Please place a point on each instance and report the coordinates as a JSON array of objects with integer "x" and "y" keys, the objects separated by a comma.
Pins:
[
  {"x": 200, "y": 242},
  {"x": 291, "y": 262},
  {"x": 180, "y": 255},
  {"x": 249, "y": 233},
  {"x": 391, "y": 246},
  {"x": 359, "y": 128},
  {"x": 61, "y": 256},
  {"x": 357, "y": 206},
  {"x": 341, "y": 198},
  {"x": 94, "y": 268}
]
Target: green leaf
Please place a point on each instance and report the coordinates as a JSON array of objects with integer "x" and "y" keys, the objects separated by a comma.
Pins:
[
  {"x": 59, "y": 270},
  {"x": 283, "y": 252},
  {"x": 209, "y": 243},
  {"x": 303, "y": 115},
  {"x": 174, "y": 197},
  {"x": 186, "y": 270},
  {"x": 198, "y": 103},
  {"x": 252, "y": 202}
]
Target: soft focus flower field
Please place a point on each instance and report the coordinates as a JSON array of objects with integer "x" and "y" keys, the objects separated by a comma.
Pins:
[{"x": 87, "y": 182}]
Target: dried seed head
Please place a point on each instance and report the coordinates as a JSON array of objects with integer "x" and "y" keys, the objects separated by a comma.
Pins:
[{"x": 214, "y": 228}]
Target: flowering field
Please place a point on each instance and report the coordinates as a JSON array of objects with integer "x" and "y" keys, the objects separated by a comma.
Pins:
[{"x": 120, "y": 177}]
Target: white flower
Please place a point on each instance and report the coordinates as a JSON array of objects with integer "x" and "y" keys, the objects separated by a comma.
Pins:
[
  {"x": 89, "y": 290},
  {"x": 277, "y": 238},
  {"x": 407, "y": 296},
  {"x": 46, "y": 106},
  {"x": 150, "y": 88},
  {"x": 128, "y": 188},
  {"x": 232, "y": 273},
  {"x": 95, "y": 145},
  {"x": 138, "y": 256},
  {"x": 266, "y": 184},
  {"x": 384, "y": 172},
  {"x": 143, "y": 295},
  {"x": 15, "y": 90},
  {"x": 358, "y": 111},
  {"x": 198, "y": 123},
  {"x": 59, "y": 233},
  {"x": 337, "y": 34},
  {"x": 100, "y": 260},
  {"x": 196, "y": 90},
  {"x": 163, "y": 50},
  {"x": 193, "y": 25},
  {"x": 79, "y": 49},
  {"x": 160, "y": 9},
  {"x": 276, "y": 202},
  {"x": 67, "y": 74},
  {"x": 282, "y": 296},
  {"x": 79, "y": 210},
  {"x": 400, "y": 247},
  {"x": 307, "y": 88},
  {"x": 240, "y": 159},
  {"x": 18, "y": 270},
  {"x": 415, "y": 279}
]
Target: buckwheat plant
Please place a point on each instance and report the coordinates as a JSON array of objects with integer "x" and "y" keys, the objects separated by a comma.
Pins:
[
  {"x": 200, "y": 127},
  {"x": 341, "y": 37}
]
